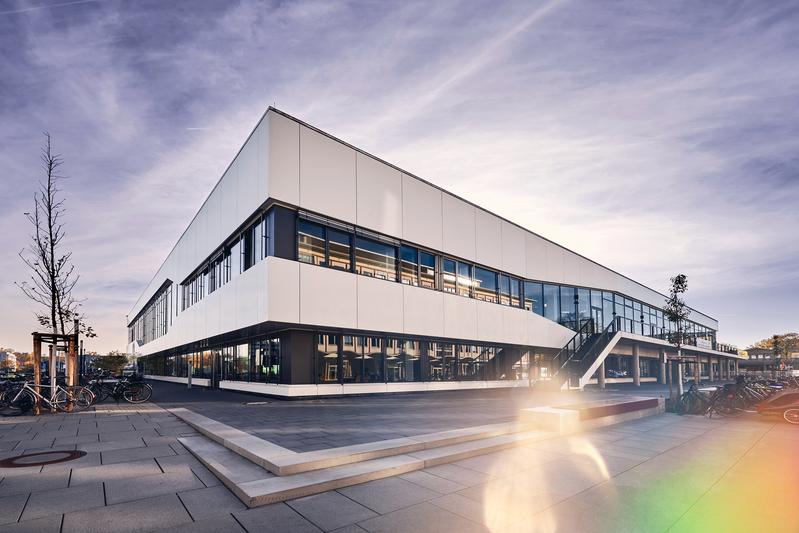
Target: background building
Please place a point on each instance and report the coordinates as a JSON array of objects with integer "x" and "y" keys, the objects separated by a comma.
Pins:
[{"x": 314, "y": 268}]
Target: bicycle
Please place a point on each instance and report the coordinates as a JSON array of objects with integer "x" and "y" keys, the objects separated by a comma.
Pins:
[
  {"x": 132, "y": 391},
  {"x": 62, "y": 398}
]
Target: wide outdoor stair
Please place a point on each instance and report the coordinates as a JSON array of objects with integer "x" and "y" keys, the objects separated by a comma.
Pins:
[{"x": 260, "y": 472}]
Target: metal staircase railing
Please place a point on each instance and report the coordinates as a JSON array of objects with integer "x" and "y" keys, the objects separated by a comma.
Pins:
[{"x": 582, "y": 350}]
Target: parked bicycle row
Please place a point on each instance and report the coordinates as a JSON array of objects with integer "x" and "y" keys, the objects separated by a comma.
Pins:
[
  {"x": 19, "y": 397},
  {"x": 769, "y": 397}
]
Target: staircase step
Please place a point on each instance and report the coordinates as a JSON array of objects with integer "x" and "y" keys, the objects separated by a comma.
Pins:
[
  {"x": 465, "y": 450},
  {"x": 256, "y": 486}
]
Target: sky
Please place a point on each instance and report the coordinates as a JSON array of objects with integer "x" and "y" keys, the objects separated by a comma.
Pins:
[{"x": 653, "y": 137}]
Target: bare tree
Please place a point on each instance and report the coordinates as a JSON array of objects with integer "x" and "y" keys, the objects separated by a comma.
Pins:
[
  {"x": 677, "y": 312},
  {"x": 52, "y": 274}
]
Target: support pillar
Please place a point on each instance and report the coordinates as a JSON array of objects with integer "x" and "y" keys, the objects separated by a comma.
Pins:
[
  {"x": 601, "y": 375},
  {"x": 636, "y": 366},
  {"x": 662, "y": 373},
  {"x": 680, "y": 388},
  {"x": 37, "y": 370},
  {"x": 51, "y": 369}
]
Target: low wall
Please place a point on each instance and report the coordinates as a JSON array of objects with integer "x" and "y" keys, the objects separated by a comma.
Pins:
[{"x": 200, "y": 382}]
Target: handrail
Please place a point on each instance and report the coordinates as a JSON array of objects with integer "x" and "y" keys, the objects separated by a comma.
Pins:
[
  {"x": 583, "y": 334},
  {"x": 611, "y": 329}
]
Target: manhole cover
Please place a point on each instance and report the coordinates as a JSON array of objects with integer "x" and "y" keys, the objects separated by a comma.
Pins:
[{"x": 41, "y": 458}]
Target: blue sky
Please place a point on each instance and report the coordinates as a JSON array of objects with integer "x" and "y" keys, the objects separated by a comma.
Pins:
[{"x": 653, "y": 137}]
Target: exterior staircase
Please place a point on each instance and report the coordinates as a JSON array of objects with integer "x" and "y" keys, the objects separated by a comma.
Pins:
[{"x": 576, "y": 362}]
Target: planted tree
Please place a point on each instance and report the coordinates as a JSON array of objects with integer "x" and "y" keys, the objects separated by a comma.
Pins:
[
  {"x": 52, "y": 275},
  {"x": 677, "y": 313}
]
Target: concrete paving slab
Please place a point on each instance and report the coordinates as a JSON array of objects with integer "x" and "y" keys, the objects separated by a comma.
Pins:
[
  {"x": 140, "y": 487},
  {"x": 160, "y": 512},
  {"x": 421, "y": 518},
  {"x": 459, "y": 474},
  {"x": 331, "y": 510},
  {"x": 48, "y": 524},
  {"x": 209, "y": 502},
  {"x": 34, "y": 482},
  {"x": 117, "y": 471},
  {"x": 134, "y": 454},
  {"x": 11, "y": 507},
  {"x": 275, "y": 518},
  {"x": 218, "y": 524},
  {"x": 56, "y": 502},
  {"x": 386, "y": 495},
  {"x": 434, "y": 483}
]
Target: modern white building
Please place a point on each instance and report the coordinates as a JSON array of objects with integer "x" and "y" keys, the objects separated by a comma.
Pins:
[{"x": 314, "y": 268}]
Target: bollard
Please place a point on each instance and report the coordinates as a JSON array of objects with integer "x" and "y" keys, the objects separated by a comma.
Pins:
[{"x": 191, "y": 369}]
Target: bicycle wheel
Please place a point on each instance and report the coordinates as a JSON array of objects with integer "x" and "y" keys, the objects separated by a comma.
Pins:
[
  {"x": 25, "y": 402},
  {"x": 74, "y": 398},
  {"x": 137, "y": 393}
]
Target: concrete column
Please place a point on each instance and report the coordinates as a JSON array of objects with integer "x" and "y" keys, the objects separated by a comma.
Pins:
[
  {"x": 662, "y": 374},
  {"x": 601, "y": 375},
  {"x": 680, "y": 388},
  {"x": 636, "y": 366}
]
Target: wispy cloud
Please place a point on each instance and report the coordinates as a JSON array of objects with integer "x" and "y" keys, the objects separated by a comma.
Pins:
[{"x": 652, "y": 137}]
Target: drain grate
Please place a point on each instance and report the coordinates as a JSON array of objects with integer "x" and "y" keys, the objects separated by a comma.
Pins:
[{"x": 41, "y": 458}]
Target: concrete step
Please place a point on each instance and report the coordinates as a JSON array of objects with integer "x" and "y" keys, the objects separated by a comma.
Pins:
[
  {"x": 256, "y": 486},
  {"x": 284, "y": 462}
]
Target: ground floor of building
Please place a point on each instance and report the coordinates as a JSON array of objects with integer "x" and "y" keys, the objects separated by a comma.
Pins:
[{"x": 301, "y": 362}]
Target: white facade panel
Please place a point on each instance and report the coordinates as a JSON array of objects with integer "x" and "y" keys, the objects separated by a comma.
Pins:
[
  {"x": 490, "y": 322},
  {"x": 459, "y": 225},
  {"x": 250, "y": 186},
  {"x": 421, "y": 213},
  {"x": 423, "y": 311},
  {"x": 327, "y": 176},
  {"x": 282, "y": 290},
  {"x": 248, "y": 286},
  {"x": 328, "y": 297},
  {"x": 460, "y": 317},
  {"x": 379, "y": 206},
  {"x": 545, "y": 333},
  {"x": 513, "y": 250},
  {"x": 535, "y": 257},
  {"x": 283, "y": 161},
  {"x": 514, "y": 322},
  {"x": 489, "y": 239},
  {"x": 380, "y": 305}
]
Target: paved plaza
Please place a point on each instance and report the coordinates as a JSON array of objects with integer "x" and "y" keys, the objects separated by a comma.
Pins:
[{"x": 662, "y": 473}]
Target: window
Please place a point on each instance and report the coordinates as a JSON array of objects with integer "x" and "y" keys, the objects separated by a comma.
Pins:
[
  {"x": 485, "y": 285},
  {"x": 427, "y": 270},
  {"x": 372, "y": 359},
  {"x": 241, "y": 371},
  {"x": 515, "y": 292},
  {"x": 409, "y": 265},
  {"x": 534, "y": 297},
  {"x": 551, "y": 302},
  {"x": 338, "y": 249},
  {"x": 311, "y": 243},
  {"x": 327, "y": 359},
  {"x": 448, "y": 278},
  {"x": 583, "y": 306},
  {"x": 443, "y": 361},
  {"x": 375, "y": 259},
  {"x": 568, "y": 314},
  {"x": 403, "y": 361},
  {"x": 248, "y": 241},
  {"x": 464, "y": 279},
  {"x": 468, "y": 363}
]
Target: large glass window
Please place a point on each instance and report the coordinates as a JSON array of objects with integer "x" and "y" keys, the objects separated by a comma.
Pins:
[
  {"x": 485, "y": 285},
  {"x": 504, "y": 289},
  {"x": 443, "y": 361},
  {"x": 464, "y": 279},
  {"x": 311, "y": 243},
  {"x": 352, "y": 359},
  {"x": 427, "y": 270},
  {"x": 551, "y": 302},
  {"x": 265, "y": 361},
  {"x": 468, "y": 362},
  {"x": 338, "y": 249},
  {"x": 409, "y": 265},
  {"x": 583, "y": 306},
  {"x": 403, "y": 360},
  {"x": 448, "y": 277},
  {"x": 375, "y": 259},
  {"x": 534, "y": 297},
  {"x": 567, "y": 307},
  {"x": 372, "y": 359},
  {"x": 326, "y": 359},
  {"x": 242, "y": 368},
  {"x": 515, "y": 292}
]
